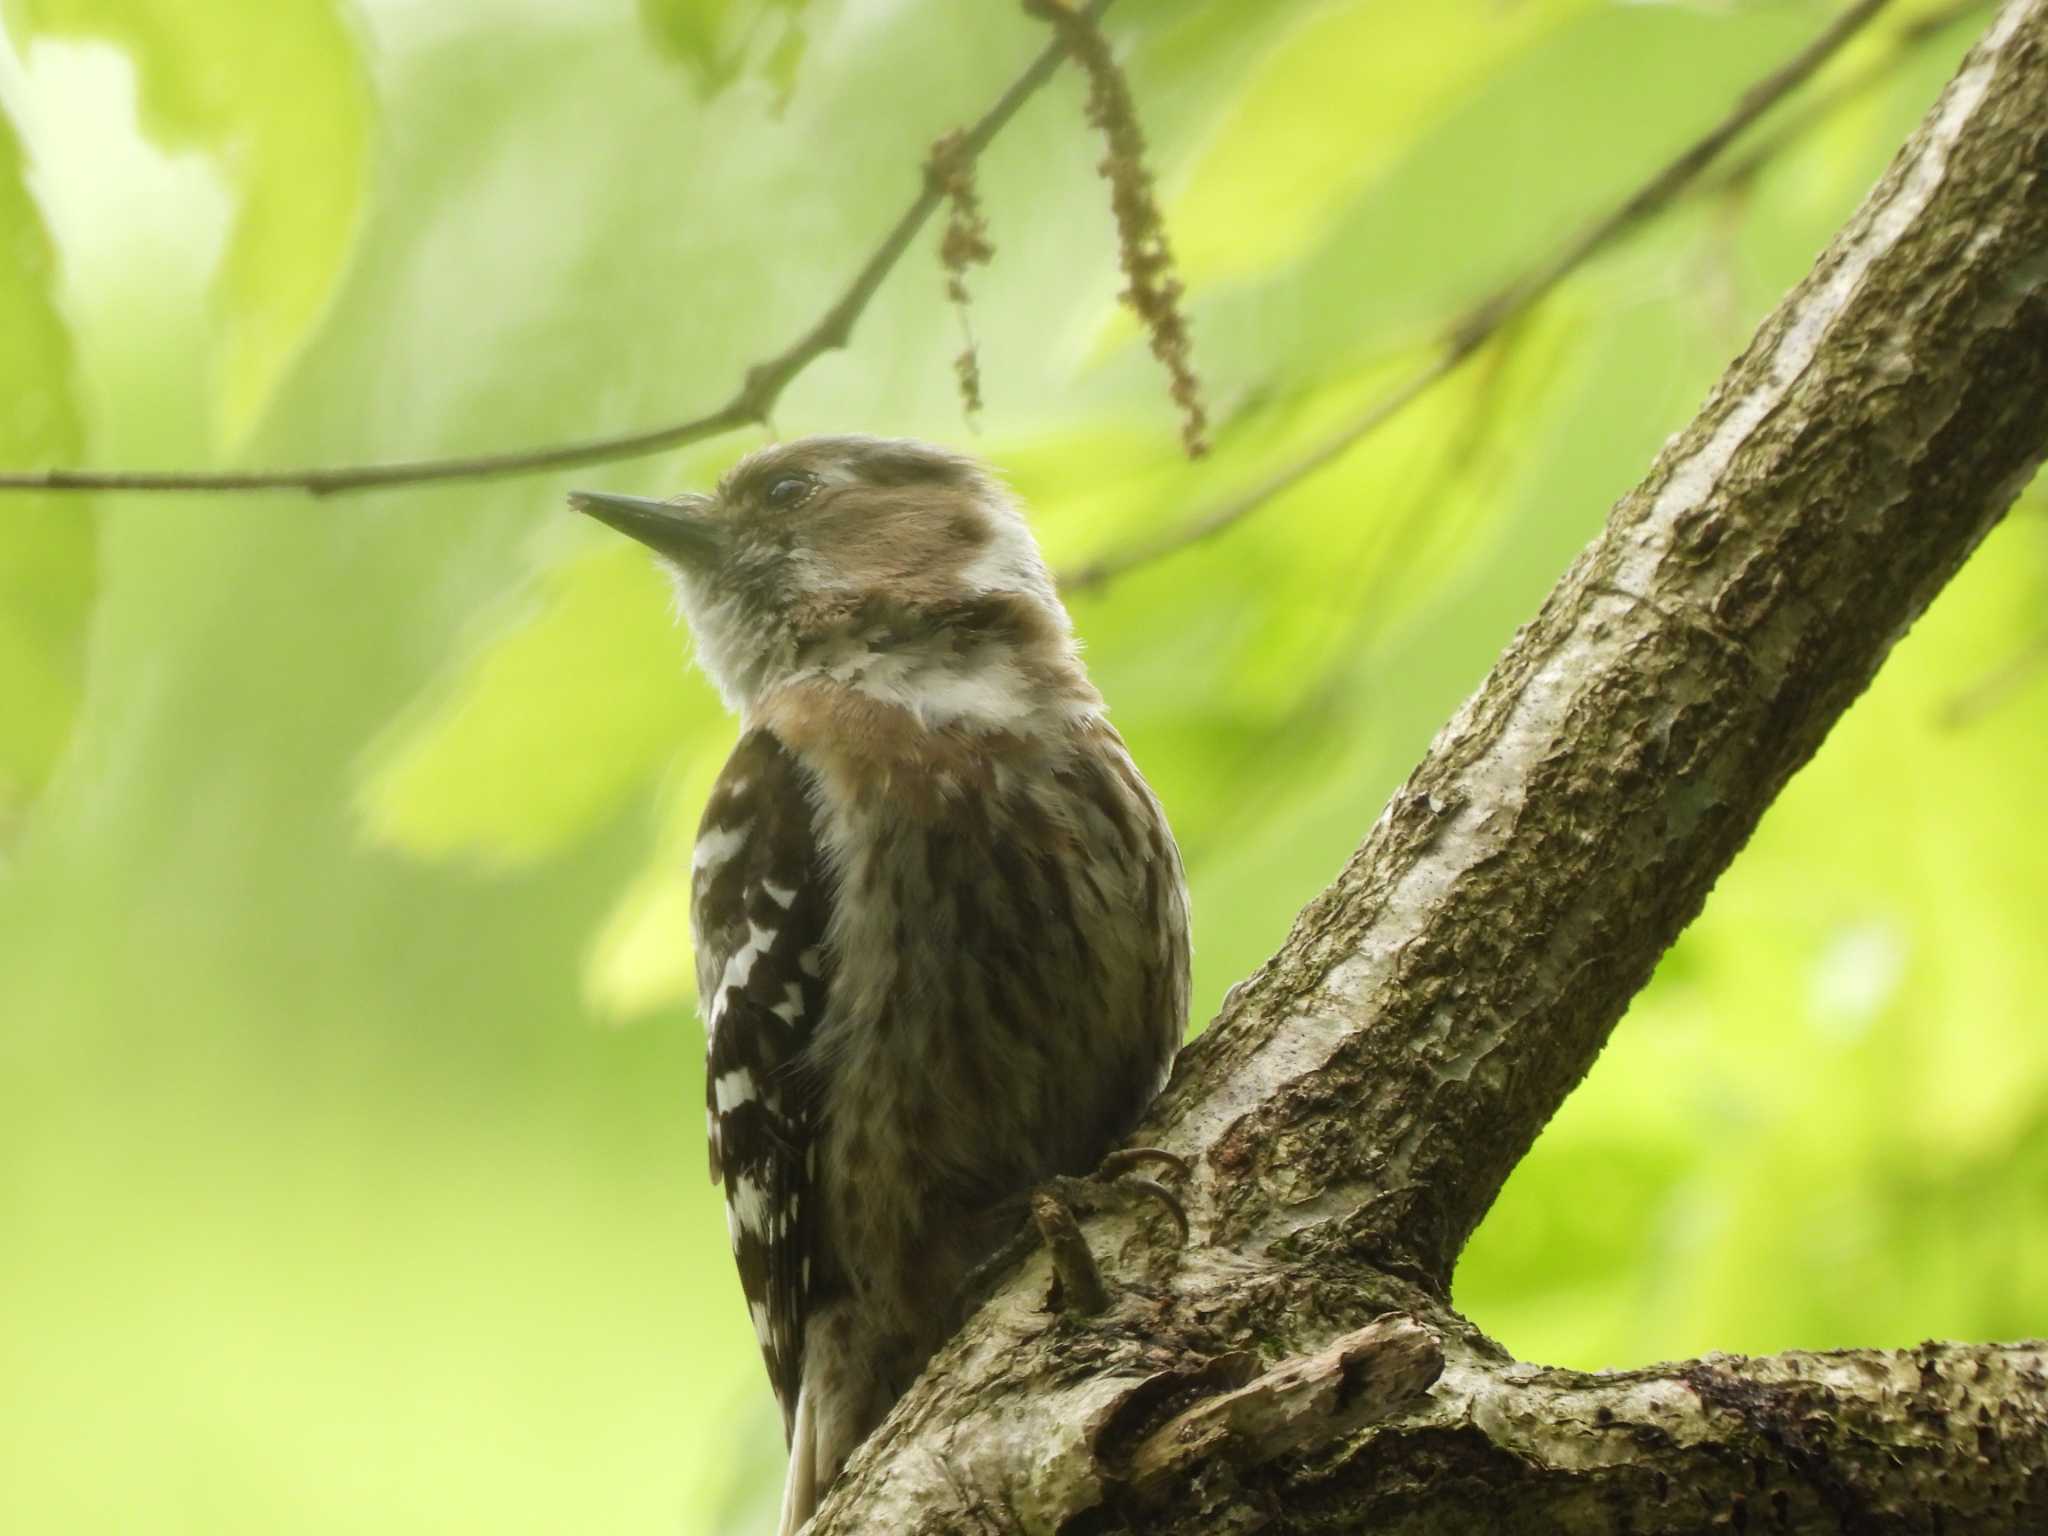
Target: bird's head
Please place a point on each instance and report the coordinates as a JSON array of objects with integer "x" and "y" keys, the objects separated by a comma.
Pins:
[{"x": 884, "y": 565}]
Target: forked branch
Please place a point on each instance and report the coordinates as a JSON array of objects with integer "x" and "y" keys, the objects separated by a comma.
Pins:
[{"x": 1354, "y": 1110}]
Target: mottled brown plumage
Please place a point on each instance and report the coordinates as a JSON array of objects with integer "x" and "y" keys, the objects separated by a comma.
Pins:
[{"x": 941, "y": 924}]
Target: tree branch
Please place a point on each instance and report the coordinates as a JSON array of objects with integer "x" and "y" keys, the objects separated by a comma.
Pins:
[
  {"x": 1365, "y": 1376},
  {"x": 1480, "y": 324},
  {"x": 760, "y": 387},
  {"x": 1355, "y": 1108},
  {"x": 1944, "y": 1437},
  {"x": 1571, "y": 819}
]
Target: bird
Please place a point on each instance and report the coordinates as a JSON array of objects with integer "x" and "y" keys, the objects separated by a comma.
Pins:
[{"x": 940, "y": 921}]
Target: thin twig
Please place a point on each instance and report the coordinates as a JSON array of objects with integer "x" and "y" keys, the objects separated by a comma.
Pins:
[
  {"x": 1973, "y": 703},
  {"x": 1911, "y": 35},
  {"x": 1915, "y": 30},
  {"x": 759, "y": 389},
  {"x": 1486, "y": 319},
  {"x": 1462, "y": 451}
]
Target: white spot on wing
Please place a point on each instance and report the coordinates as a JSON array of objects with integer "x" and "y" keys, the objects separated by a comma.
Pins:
[
  {"x": 747, "y": 1203},
  {"x": 715, "y": 847},
  {"x": 741, "y": 965},
  {"x": 734, "y": 1088}
]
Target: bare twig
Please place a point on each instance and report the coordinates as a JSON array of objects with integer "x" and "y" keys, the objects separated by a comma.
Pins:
[
  {"x": 1971, "y": 704},
  {"x": 1911, "y": 35},
  {"x": 1481, "y": 323},
  {"x": 759, "y": 389},
  {"x": 1918, "y": 29}
]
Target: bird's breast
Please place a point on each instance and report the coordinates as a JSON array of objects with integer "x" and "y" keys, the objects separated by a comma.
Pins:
[{"x": 1008, "y": 984}]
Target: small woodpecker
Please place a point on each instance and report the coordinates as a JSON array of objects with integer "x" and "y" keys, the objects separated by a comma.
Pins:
[{"x": 941, "y": 926}]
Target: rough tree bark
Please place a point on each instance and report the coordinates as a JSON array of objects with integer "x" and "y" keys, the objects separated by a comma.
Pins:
[{"x": 1353, "y": 1111}]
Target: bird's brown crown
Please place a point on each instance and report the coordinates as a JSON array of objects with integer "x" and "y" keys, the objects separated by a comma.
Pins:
[{"x": 886, "y": 569}]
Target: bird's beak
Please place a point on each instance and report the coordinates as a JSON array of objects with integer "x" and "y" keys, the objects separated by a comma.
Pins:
[{"x": 681, "y": 529}]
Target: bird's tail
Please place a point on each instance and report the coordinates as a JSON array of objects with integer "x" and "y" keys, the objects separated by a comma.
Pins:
[{"x": 800, "y": 1488}]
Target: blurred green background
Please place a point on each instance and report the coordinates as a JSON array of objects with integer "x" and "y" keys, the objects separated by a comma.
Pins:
[{"x": 351, "y": 1174}]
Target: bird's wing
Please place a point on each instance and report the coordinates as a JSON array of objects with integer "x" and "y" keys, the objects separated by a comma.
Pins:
[{"x": 759, "y": 908}]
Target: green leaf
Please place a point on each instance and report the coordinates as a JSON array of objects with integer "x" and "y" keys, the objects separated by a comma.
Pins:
[
  {"x": 48, "y": 565},
  {"x": 784, "y": 60},
  {"x": 641, "y": 958},
  {"x": 714, "y": 39},
  {"x": 1487, "y": 181},
  {"x": 696, "y": 34},
  {"x": 546, "y": 729},
  {"x": 1329, "y": 108},
  {"x": 276, "y": 94}
]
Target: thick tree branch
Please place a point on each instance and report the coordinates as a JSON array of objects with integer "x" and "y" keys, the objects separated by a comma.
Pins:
[
  {"x": 1466, "y": 967},
  {"x": 760, "y": 386},
  {"x": 1366, "y": 1375},
  {"x": 1944, "y": 1437},
  {"x": 1352, "y": 1113}
]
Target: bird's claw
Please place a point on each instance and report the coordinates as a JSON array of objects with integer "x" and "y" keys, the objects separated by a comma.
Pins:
[
  {"x": 1122, "y": 1164},
  {"x": 1124, "y": 1159},
  {"x": 1062, "y": 1195}
]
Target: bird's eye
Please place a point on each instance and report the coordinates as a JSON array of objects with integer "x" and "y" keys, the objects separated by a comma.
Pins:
[{"x": 789, "y": 490}]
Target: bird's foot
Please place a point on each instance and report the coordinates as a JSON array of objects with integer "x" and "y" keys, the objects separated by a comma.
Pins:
[
  {"x": 1052, "y": 1206},
  {"x": 1119, "y": 1172}
]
